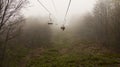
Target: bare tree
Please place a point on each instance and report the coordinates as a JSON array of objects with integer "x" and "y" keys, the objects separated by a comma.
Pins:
[
  {"x": 106, "y": 17},
  {"x": 104, "y": 24},
  {"x": 10, "y": 22},
  {"x": 8, "y": 10}
]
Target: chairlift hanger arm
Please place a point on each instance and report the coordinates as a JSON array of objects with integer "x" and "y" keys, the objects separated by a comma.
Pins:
[{"x": 63, "y": 27}]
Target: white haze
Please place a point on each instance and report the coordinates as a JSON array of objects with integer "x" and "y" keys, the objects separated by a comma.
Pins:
[{"x": 78, "y": 7}]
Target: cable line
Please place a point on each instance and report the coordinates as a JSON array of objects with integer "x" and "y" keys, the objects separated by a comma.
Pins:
[
  {"x": 44, "y": 7},
  {"x": 54, "y": 5},
  {"x": 63, "y": 27},
  {"x": 67, "y": 10},
  {"x": 50, "y": 19}
]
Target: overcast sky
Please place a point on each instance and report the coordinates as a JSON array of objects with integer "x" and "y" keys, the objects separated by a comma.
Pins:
[{"x": 78, "y": 7}]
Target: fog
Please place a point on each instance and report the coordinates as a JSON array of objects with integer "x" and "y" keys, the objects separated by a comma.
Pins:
[
  {"x": 58, "y": 9},
  {"x": 59, "y": 33}
]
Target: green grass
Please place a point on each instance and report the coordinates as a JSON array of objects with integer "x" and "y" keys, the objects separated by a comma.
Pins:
[
  {"x": 63, "y": 54},
  {"x": 14, "y": 56},
  {"x": 52, "y": 58}
]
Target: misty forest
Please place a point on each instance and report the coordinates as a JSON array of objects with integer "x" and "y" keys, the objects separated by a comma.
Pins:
[{"x": 58, "y": 37}]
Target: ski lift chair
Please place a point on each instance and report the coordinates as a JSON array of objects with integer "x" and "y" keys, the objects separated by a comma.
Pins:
[
  {"x": 50, "y": 23},
  {"x": 63, "y": 28}
]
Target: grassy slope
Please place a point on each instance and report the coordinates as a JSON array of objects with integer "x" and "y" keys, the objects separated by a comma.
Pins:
[
  {"x": 65, "y": 52},
  {"x": 83, "y": 54}
]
